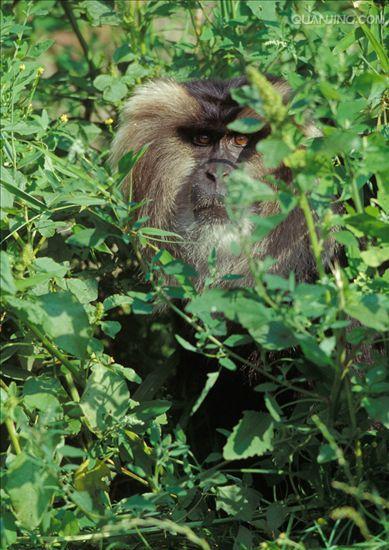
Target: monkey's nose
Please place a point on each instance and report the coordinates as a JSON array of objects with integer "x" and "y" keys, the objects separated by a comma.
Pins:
[{"x": 212, "y": 176}]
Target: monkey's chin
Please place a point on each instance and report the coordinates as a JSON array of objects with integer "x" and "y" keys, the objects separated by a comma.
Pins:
[{"x": 212, "y": 215}]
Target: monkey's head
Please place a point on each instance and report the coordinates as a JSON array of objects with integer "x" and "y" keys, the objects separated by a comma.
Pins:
[{"x": 182, "y": 175}]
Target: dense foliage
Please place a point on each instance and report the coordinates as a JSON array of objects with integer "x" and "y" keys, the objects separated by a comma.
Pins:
[{"x": 242, "y": 419}]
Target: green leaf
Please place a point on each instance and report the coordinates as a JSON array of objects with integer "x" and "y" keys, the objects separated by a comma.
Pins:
[
  {"x": 369, "y": 225},
  {"x": 128, "y": 373},
  {"x": 39, "y": 48},
  {"x": 310, "y": 300},
  {"x": 29, "y": 199},
  {"x": 100, "y": 13},
  {"x": 123, "y": 53},
  {"x": 48, "y": 265},
  {"x": 42, "y": 393},
  {"x": 265, "y": 387},
  {"x": 237, "y": 501},
  {"x": 103, "y": 81},
  {"x": 117, "y": 300},
  {"x": 88, "y": 238},
  {"x": 185, "y": 344},
  {"x": 158, "y": 232},
  {"x": 244, "y": 539},
  {"x": 211, "y": 381},
  {"x": 237, "y": 340},
  {"x": 312, "y": 350},
  {"x": 66, "y": 322},
  {"x": 273, "y": 407},
  {"x": 375, "y": 256},
  {"x": 105, "y": 399},
  {"x": 345, "y": 42},
  {"x": 7, "y": 284},
  {"x": 246, "y": 125},
  {"x": 274, "y": 151},
  {"x": 86, "y": 290},
  {"x": 370, "y": 310},
  {"x": 263, "y": 9},
  {"x": 227, "y": 363},
  {"x": 8, "y": 530},
  {"x": 326, "y": 454},
  {"x": 346, "y": 238},
  {"x": 379, "y": 50},
  {"x": 274, "y": 335},
  {"x": 111, "y": 328},
  {"x": 378, "y": 409},
  {"x": 128, "y": 161},
  {"x": 276, "y": 514},
  {"x": 24, "y": 128},
  {"x": 252, "y": 436},
  {"x": 151, "y": 409},
  {"x": 115, "y": 91},
  {"x": 59, "y": 316},
  {"x": 23, "y": 284},
  {"x": 329, "y": 91},
  {"x": 30, "y": 487},
  {"x": 69, "y": 524}
]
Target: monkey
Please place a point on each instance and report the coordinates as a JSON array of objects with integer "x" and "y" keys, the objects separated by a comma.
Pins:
[
  {"x": 181, "y": 177},
  {"x": 180, "y": 181}
]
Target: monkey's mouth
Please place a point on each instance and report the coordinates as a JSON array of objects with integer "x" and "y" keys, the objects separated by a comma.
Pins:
[{"x": 210, "y": 212}]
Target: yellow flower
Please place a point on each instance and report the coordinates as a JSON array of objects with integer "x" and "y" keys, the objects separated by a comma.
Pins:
[
  {"x": 64, "y": 118},
  {"x": 108, "y": 121},
  {"x": 22, "y": 67},
  {"x": 40, "y": 71},
  {"x": 282, "y": 536}
]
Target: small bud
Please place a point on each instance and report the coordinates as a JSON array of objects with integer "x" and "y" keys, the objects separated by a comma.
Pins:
[
  {"x": 40, "y": 71},
  {"x": 271, "y": 98},
  {"x": 28, "y": 255},
  {"x": 99, "y": 312},
  {"x": 22, "y": 67},
  {"x": 322, "y": 521},
  {"x": 108, "y": 121},
  {"x": 64, "y": 118},
  {"x": 282, "y": 536},
  {"x": 297, "y": 159}
]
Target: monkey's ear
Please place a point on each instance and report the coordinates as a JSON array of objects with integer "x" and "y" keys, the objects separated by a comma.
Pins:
[{"x": 154, "y": 111}]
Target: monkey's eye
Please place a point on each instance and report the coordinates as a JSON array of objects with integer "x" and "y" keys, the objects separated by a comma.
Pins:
[
  {"x": 202, "y": 139},
  {"x": 240, "y": 140}
]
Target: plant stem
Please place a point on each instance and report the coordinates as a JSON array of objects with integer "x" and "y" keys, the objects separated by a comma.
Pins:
[
  {"x": 356, "y": 196},
  {"x": 13, "y": 435},
  {"x": 66, "y": 6},
  {"x": 51, "y": 348},
  {"x": 334, "y": 446},
  {"x": 131, "y": 527},
  {"x": 315, "y": 244}
]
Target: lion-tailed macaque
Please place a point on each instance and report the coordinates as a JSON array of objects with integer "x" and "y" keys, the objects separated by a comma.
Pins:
[{"x": 181, "y": 176}]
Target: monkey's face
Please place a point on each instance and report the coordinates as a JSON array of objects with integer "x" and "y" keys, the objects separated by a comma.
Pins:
[
  {"x": 181, "y": 178},
  {"x": 211, "y": 151},
  {"x": 215, "y": 153}
]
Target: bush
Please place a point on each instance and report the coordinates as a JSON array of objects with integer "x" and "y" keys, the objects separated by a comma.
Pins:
[{"x": 120, "y": 425}]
